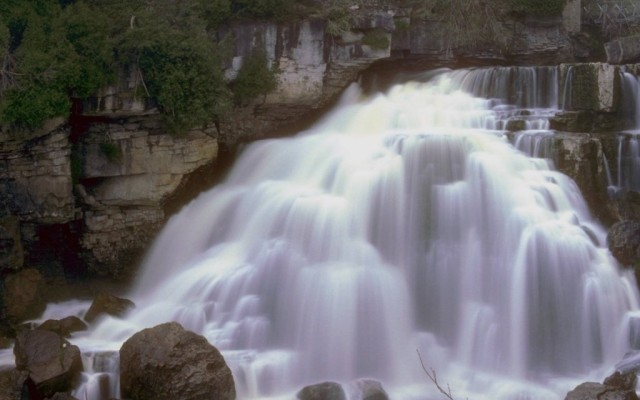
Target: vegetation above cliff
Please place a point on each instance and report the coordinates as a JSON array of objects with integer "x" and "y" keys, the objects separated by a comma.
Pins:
[{"x": 54, "y": 51}]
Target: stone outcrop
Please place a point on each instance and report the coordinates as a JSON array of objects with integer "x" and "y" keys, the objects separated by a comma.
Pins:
[
  {"x": 23, "y": 295},
  {"x": 623, "y": 50},
  {"x": 590, "y": 87},
  {"x": 615, "y": 387},
  {"x": 65, "y": 326},
  {"x": 35, "y": 174},
  {"x": 108, "y": 304},
  {"x": 371, "y": 389},
  {"x": 623, "y": 241},
  {"x": 53, "y": 363},
  {"x": 322, "y": 391},
  {"x": 168, "y": 362},
  {"x": 129, "y": 167}
]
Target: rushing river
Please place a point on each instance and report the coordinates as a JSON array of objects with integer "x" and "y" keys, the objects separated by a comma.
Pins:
[{"x": 400, "y": 222}]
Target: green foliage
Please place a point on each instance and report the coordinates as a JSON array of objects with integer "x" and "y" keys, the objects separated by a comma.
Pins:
[
  {"x": 337, "y": 20},
  {"x": 538, "y": 7},
  {"x": 254, "y": 79},
  {"x": 29, "y": 107},
  {"x": 58, "y": 53},
  {"x": 376, "y": 39},
  {"x": 266, "y": 9},
  {"x": 111, "y": 150},
  {"x": 179, "y": 63}
]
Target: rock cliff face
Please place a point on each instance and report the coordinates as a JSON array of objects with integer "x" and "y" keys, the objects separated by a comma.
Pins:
[{"x": 90, "y": 193}]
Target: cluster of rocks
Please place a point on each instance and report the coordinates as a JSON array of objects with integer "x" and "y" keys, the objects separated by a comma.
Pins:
[
  {"x": 618, "y": 386},
  {"x": 164, "y": 362}
]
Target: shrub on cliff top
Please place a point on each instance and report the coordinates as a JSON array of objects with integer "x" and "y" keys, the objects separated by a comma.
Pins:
[
  {"x": 254, "y": 79},
  {"x": 538, "y": 7}
]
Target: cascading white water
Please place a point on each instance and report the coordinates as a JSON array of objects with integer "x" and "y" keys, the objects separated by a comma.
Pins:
[
  {"x": 627, "y": 176},
  {"x": 401, "y": 222}
]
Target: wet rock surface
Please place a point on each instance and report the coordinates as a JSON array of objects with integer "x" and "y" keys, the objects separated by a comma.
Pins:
[
  {"x": 623, "y": 240},
  {"x": 23, "y": 295},
  {"x": 53, "y": 364},
  {"x": 169, "y": 362},
  {"x": 616, "y": 387},
  {"x": 106, "y": 304},
  {"x": 322, "y": 391}
]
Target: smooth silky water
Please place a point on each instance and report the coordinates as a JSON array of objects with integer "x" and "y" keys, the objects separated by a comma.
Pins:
[{"x": 401, "y": 222}]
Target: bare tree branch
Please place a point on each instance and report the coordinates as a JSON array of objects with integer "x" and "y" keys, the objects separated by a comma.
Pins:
[{"x": 431, "y": 373}]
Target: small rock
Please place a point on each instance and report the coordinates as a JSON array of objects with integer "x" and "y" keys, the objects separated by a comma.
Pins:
[
  {"x": 516, "y": 125},
  {"x": 64, "y": 327},
  {"x": 372, "y": 390},
  {"x": 108, "y": 304},
  {"x": 322, "y": 391}
]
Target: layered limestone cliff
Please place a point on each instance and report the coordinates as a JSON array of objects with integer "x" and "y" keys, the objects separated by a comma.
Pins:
[{"x": 91, "y": 193}]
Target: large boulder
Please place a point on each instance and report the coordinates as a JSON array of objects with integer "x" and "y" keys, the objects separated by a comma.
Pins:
[
  {"x": 53, "y": 363},
  {"x": 169, "y": 362},
  {"x": 11, "y": 383},
  {"x": 322, "y": 391},
  {"x": 108, "y": 304},
  {"x": 616, "y": 387},
  {"x": 623, "y": 240},
  {"x": 23, "y": 295}
]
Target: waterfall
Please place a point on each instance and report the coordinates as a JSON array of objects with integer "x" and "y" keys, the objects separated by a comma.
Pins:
[
  {"x": 627, "y": 163},
  {"x": 401, "y": 222},
  {"x": 630, "y": 107}
]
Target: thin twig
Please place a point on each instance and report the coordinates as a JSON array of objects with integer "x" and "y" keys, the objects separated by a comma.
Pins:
[{"x": 434, "y": 378}]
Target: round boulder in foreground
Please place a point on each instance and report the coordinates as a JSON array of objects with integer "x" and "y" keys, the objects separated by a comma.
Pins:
[{"x": 167, "y": 362}]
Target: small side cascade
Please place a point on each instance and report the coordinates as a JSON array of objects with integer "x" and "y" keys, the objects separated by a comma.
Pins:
[
  {"x": 630, "y": 85},
  {"x": 627, "y": 174}
]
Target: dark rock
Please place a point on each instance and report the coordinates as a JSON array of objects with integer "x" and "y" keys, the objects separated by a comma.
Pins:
[
  {"x": 23, "y": 295},
  {"x": 169, "y": 362},
  {"x": 11, "y": 383},
  {"x": 108, "y": 304},
  {"x": 623, "y": 240},
  {"x": 623, "y": 50},
  {"x": 62, "y": 396},
  {"x": 5, "y": 342},
  {"x": 322, "y": 391},
  {"x": 53, "y": 363},
  {"x": 11, "y": 254},
  {"x": 64, "y": 327},
  {"x": 616, "y": 387},
  {"x": 372, "y": 390},
  {"x": 516, "y": 125},
  {"x": 621, "y": 381}
]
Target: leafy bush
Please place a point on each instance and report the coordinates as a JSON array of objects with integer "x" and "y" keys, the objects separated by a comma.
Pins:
[
  {"x": 254, "y": 79},
  {"x": 376, "y": 39},
  {"x": 268, "y": 9},
  {"x": 538, "y": 7},
  {"x": 111, "y": 150}
]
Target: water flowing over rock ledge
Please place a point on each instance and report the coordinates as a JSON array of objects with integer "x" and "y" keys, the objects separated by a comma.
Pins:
[{"x": 102, "y": 192}]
